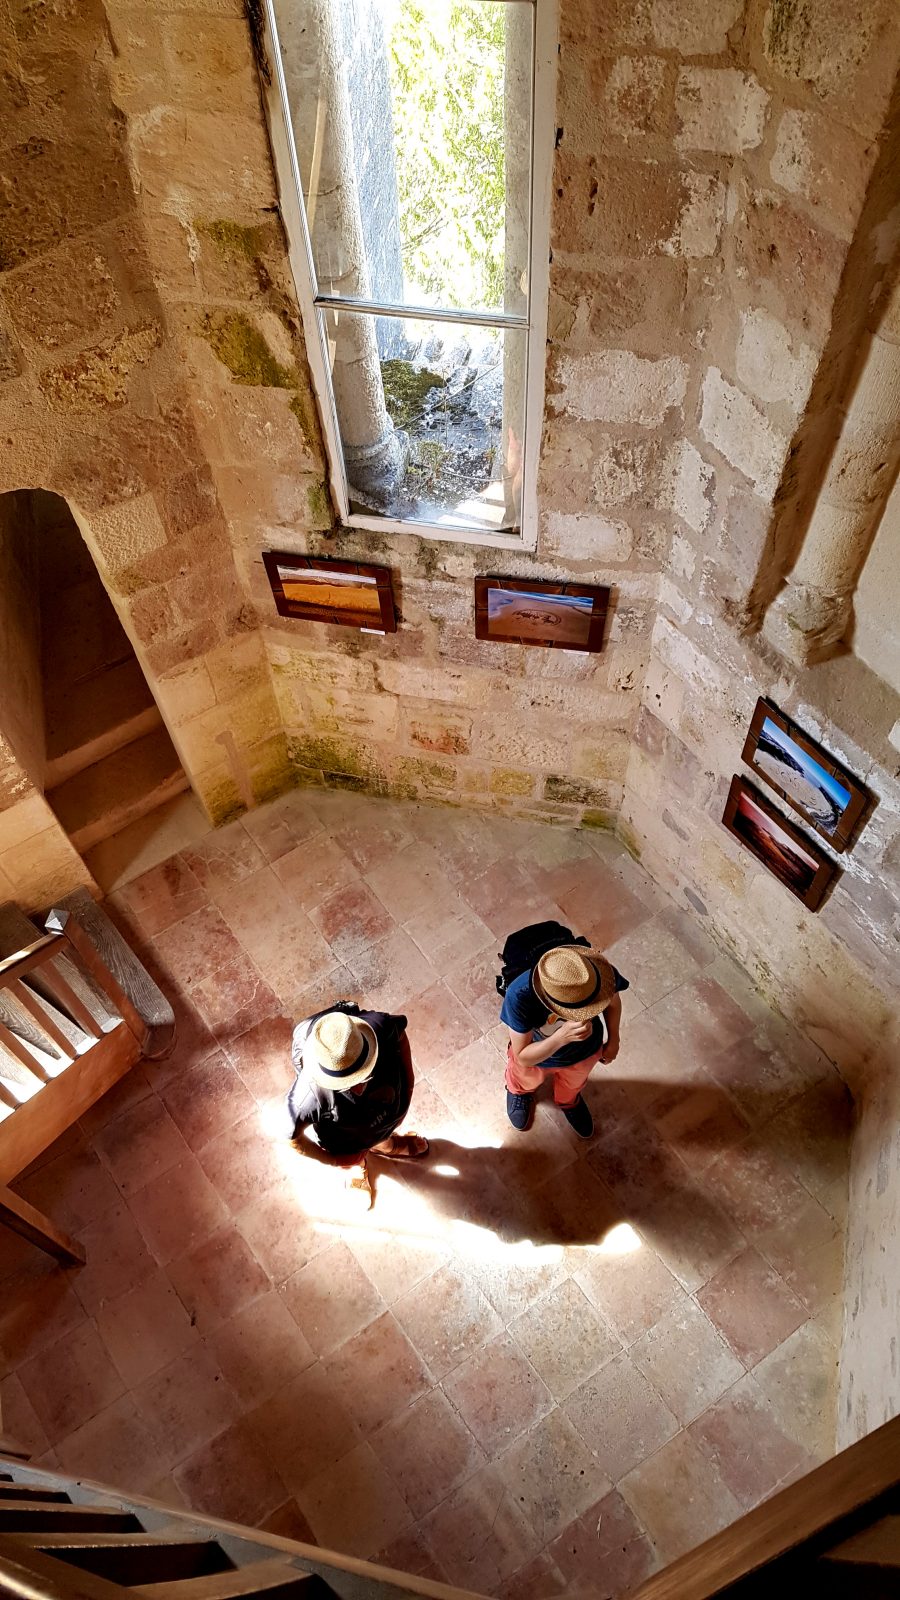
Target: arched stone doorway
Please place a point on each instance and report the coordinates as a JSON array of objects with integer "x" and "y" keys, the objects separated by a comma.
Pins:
[{"x": 76, "y": 709}]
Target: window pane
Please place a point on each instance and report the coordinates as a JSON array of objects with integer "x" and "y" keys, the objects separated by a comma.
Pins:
[
  {"x": 412, "y": 122},
  {"x": 431, "y": 422}
]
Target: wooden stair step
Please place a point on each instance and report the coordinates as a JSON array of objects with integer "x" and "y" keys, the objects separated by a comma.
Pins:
[
  {"x": 878, "y": 1545},
  {"x": 273, "y": 1578},
  {"x": 28, "y": 1491},
  {"x": 134, "y": 1558},
  {"x": 48, "y": 1516},
  {"x": 100, "y": 801}
]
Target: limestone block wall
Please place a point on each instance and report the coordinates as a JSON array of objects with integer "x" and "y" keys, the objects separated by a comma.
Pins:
[{"x": 97, "y": 395}]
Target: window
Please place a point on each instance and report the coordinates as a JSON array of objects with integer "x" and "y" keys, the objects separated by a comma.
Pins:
[{"x": 413, "y": 142}]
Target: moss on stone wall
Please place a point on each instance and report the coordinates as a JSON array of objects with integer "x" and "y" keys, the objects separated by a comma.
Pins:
[
  {"x": 240, "y": 347},
  {"x": 406, "y": 388},
  {"x": 233, "y": 239}
]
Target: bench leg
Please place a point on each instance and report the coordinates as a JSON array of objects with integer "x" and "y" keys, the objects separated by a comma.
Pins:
[{"x": 22, "y": 1218}]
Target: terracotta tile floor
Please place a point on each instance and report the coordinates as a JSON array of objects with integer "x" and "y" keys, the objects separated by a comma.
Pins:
[{"x": 537, "y": 1367}]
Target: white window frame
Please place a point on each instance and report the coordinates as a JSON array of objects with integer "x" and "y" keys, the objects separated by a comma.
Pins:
[{"x": 290, "y": 193}]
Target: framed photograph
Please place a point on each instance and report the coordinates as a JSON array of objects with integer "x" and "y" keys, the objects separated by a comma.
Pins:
[
  {"x": 342, "y": 592},
  {"x": 555, "y": 616},
  {"x": 820, "y": 791},
  {"x": 790, "y": 857}
]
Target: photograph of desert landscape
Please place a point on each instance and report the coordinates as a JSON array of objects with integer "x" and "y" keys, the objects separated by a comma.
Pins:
[
  {"x": 820, "y": 796},
  {"x": 527, "y": 614},
  {"x": 777, "y": 849},
  {"x": 334, "y": 591}
]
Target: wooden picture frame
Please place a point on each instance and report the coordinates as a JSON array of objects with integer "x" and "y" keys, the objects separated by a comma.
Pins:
[
  {"x": 295, "y": 580},
  {"x": 805, "y": 776},
  {"x": 561, "y": 616},
  {"x": 787, "y": 853}
]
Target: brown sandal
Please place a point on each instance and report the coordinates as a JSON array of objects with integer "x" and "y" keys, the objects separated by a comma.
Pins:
[{"x": 407, "y": 1153}]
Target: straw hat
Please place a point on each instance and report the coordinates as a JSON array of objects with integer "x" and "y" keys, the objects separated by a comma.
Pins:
[
  {"x": 339, "y": 1051},
  {"x": 574, "y": 982}
]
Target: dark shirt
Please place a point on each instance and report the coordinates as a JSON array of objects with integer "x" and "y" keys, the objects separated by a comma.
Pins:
[
  {"x": 345, "y": 1122},
  {"x": 525, "y": 1013}
]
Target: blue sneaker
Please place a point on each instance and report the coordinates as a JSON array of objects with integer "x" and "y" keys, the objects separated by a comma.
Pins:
[
  {"x": 519, "y": 1108},
  {"x": 579, "y": 1117}
]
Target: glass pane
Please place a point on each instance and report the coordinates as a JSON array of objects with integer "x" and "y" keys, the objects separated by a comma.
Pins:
[
  {"x": 431, "y": 421},
  {"x": 412, "y": 122}
]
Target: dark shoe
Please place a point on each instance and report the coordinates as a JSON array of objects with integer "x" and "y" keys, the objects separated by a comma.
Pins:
[
  {"x": 519, "y": 1108},
  {"x": 579, "y": 1117}
]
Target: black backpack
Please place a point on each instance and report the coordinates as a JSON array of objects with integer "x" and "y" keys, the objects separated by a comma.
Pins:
[{"x": 524, "y": 949}]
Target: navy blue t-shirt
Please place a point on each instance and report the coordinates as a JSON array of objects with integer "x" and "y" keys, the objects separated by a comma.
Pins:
[{"x": 525, "y": 1013}]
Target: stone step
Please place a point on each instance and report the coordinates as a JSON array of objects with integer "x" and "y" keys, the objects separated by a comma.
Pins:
[
  {"x": 95, "y": 717},
  {"x": 107, "y": 796}
]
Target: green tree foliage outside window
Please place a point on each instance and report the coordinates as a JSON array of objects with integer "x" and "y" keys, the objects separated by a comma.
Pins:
[{"x": 447, "y": 78}]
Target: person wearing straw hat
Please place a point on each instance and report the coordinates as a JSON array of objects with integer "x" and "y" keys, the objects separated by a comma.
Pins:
[
  {"x": 353, "y": 1088},
  {"x": 563, "y": 1017}
]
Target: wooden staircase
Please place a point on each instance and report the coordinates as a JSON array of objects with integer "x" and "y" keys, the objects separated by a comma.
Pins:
[
  {"x": 834, "y": 1534},
  {"x": 109, "y": 759},
  {"x": 67, "y": 1540}
]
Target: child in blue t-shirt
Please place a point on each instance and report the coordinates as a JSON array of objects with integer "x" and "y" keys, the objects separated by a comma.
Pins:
[{"x": 563, "y": 1017}]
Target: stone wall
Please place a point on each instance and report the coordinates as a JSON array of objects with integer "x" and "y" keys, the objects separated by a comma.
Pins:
[
  {"x": 133, "y": 163},
  {"x": 876, "y": 636}
]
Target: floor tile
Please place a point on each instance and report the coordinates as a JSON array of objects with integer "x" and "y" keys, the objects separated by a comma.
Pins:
[
  {"x": 653, "y": 959},
  {"x": 230, "y": 1477},
  {"x": 449, "y": 933},
  {"x": 699, "y": 1123},
  {"x": 378, "y": 1373},
  {"x": 280, "y": 827},
  {"x": 75, "y": 1186},
  {"x": 305, "y": 1427},
  {"x": 439, "y": 1024},
  {"x": 394, "y": 1265},
  {"x": 198, "y": 945},
  {"x": 553, "y": 1476},
  {"x": 240, "y": 1164},
  {"x": 262, "y": 1058},
  {"x": 70, "y": 1381},
  {"x": 410, "y": 1555},
  {"x": 687, "y": 1362},
  {"x": 744, "y": 1443},
  {"x": 275, "y": 932},
  {"x": 141, "y": 1144},
  {"x": 278, "y": 1232},
  {"x": 207, "y": 1100},
  {"x": 538, "y": 1579},
  {"x": 409, "y": 880},
  {"x": 351, "y": 921},
  {"x": 679, "y": 1498},
  {"x": 354, "y": 1506},
  {"x": 36, "y": 1308},
  {"x": 498, "y": 1394},
  {"x": 20, "y": 1420},
  {"x": 630, "y": 1286},
  {"x": 703, "y": 1017},
  {"x": 117, "y": 1259},
  {"x": 331, "y": 1299},
  {"x": 694, "y": 1236},
  {"x": 427, "y": 1450},
  {"x": 797, "y": 1379},
  {"x": 621, "y": 1416},
  {"x": 145, "y": 1329},
  {"x": 164, "y": 895},
  {"x": 217, "y": 1278},
  {"x": 260, "y": 1348},
  {"x": 224, "y": 857},
  {"x": 447, "y": 1320},
  {"x": 178, "y": 1211},
  {"x": 116, "y": 1446},
  {"x": 311, "y": 873},
  {"x": 606, "y": 1539},
  {"x": 564, "y": 1339},
  {"x": 480, "y": 1534},
  {"x": 186, "y": 1404},
  {"x": 390, "y": 971},
  {"x": 751, "y": 1306}
]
